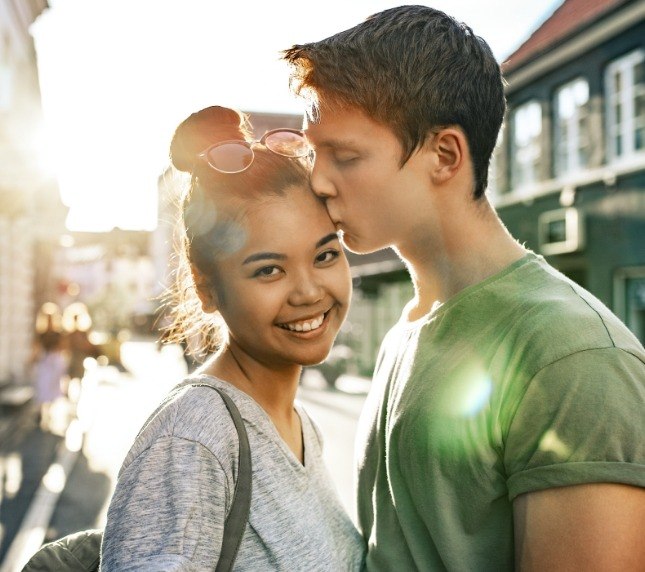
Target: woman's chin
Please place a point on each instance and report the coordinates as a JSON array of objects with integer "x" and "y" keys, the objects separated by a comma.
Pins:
[{"x": 315, "y": 359}]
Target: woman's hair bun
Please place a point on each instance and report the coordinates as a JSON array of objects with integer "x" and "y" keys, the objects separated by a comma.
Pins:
[{"x": 204, "y": 128}]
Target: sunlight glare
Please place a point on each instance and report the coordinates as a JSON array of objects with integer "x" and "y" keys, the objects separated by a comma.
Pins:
[
  {"x": 74, "y": 436},
  {"x": 54, "y": 479},
  {"x": 12, "y": 475}
]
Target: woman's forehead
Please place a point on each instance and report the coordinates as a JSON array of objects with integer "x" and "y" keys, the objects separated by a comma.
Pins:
[
  {"x": 279, "y": 220},
  {"x": 272, "y": 204}
]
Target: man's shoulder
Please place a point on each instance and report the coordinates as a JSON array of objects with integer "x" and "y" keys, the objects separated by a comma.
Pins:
[
  {"x": 556, "y": 320},
  {"x": 533, "y": 316},
  {"x": 564, "y": 312},
  {"x": 530, "y": 314}
]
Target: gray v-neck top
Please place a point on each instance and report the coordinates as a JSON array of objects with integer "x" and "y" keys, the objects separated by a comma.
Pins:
[{"x": 176, "y": 484}]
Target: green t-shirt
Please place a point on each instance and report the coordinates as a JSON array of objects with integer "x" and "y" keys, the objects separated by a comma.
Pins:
[{"x": 520, "y": 383}]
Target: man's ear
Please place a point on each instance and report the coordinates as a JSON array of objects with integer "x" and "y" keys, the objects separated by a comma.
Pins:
[
  {"x": 205, "y": 291},
  {"x": 449, "y": 148}
]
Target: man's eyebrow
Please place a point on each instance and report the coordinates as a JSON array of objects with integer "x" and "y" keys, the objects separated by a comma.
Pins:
[
  {"x": 277, "y": 256},
  {"x": 331, "y": 143}
]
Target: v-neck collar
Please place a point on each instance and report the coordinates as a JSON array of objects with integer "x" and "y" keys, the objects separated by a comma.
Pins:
[{"x": 268, "y": 426}]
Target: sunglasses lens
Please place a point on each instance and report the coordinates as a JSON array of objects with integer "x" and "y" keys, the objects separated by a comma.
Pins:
[
  {"x": 287, "y": 143},
  {"x": 230, "y": 157}
]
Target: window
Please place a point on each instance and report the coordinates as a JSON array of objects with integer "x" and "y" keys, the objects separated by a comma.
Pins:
[
  {"x": 629, "y": 298},
  {"x": 560, "y": 231},
  {"x": 494, "y": 188},
  {"x": 625, "y": 100},
  {"x": 526, "y": 128},
  {"x": 571, "y": 144}
]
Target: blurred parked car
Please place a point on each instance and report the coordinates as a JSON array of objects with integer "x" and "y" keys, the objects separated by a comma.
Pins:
[{"x": 336, "y": 363}]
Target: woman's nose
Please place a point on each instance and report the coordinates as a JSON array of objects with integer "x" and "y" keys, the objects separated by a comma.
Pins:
[{"x": 307, "y": 290}]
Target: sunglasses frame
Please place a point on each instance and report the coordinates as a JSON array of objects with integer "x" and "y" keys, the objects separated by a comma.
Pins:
[{"x": 204, "y": 155}]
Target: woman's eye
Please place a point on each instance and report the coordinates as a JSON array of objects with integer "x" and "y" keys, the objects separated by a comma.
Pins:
[
  {"x": 327, "y": 256},
  {"x": 266, "y": 271}
]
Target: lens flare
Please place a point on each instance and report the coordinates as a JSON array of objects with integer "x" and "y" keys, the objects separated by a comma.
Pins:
[{"x": 468, "y": 393}]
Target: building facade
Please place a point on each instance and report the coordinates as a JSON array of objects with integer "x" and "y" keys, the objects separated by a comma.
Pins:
[
  {"x": 22, "y": 183},
  {"x": 569, "y": 171}
]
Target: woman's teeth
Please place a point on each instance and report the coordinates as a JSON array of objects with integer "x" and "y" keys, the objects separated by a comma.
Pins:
[{"x": 304, "y": 326}]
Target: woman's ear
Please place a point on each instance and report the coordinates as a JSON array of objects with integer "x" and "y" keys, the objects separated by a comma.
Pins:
[
  {"x": 205, "y": 291},
  {"x": 450, "y": 148}
]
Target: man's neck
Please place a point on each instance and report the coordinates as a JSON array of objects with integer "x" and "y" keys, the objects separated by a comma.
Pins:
[{"x": 469, "y": 248}]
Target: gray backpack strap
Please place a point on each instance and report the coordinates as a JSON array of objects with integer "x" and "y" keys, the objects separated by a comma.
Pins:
[{"x": 238, "y": 515}]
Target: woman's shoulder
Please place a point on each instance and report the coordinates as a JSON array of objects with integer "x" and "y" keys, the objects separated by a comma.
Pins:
[
  {"x": 203, "y": 395},
  {"x": 193, "y": 411}
]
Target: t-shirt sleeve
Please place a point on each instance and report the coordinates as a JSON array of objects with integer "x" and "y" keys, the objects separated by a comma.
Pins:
[
  {"x": 580, "y": 421},
  {"x": 168, "y": 510}
]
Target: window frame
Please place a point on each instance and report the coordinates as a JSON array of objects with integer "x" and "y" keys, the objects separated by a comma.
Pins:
[
  {"x": 625, "y": 96},
  {"x": 570, "y": 163},
  {"x": 534, "y": 144}
]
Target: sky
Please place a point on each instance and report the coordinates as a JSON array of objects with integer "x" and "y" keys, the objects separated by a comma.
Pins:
[{"x": 118, "y": 76}]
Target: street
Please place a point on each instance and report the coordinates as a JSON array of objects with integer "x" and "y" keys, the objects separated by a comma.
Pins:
[{"x": 58, "y": 482}]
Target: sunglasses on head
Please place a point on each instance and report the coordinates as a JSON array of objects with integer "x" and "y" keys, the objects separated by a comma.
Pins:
[{"x": 235, "y": 156}]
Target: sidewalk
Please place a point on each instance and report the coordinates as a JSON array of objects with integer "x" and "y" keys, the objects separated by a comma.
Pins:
[{"x": 51, "y": 454}]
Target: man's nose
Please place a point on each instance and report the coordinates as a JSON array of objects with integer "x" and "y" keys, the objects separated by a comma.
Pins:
[{"x": 320, "y": 183}]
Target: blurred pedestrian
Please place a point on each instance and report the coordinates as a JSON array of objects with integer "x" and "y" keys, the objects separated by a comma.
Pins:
[
  {"x": 49, "y": 364},
  {"x": 505, "y": 425},
  {"x": 77, "y": 323},
  {"x": 268, "y": 281}
]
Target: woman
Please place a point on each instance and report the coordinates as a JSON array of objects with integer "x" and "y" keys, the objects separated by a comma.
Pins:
[{"x": 271, "y": 280}]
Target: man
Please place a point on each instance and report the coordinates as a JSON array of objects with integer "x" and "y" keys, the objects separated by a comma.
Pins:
[{"x": 505, "y": 424}]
